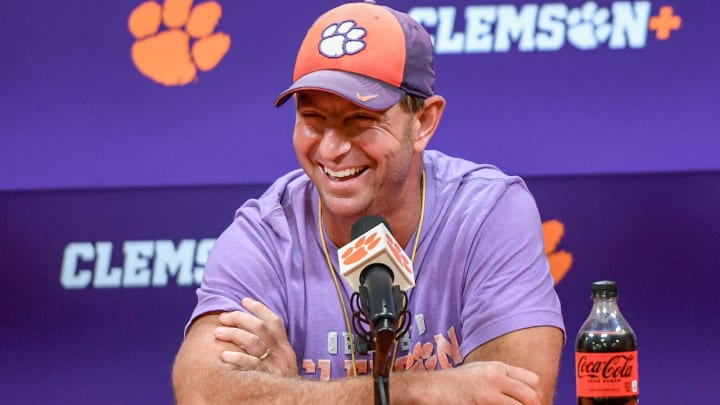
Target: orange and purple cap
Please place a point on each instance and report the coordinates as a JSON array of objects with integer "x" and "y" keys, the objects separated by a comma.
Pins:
[{"x": 368, "y": 54}]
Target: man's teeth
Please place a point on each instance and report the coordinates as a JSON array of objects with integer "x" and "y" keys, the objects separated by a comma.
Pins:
[{"x": 343, "y": 173}]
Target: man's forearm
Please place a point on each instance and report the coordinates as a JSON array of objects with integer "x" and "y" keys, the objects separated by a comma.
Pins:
[
  {"x": 200, "y": 376},
  {"x": 236, "y": 387},
  {"x": 477, "y": 382},
  {"x": 201, "y": 379}
]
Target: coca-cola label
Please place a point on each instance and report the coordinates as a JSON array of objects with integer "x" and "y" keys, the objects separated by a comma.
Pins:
[{"x": 606, "y": 374}]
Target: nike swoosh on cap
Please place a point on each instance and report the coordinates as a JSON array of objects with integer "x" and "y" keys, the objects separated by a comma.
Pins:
[{"x": 365, "y": 98}]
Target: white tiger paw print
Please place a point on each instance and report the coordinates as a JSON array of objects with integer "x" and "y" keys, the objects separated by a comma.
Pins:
[
  {"x": 342, "y": 39},
  {"x": 588, "y": 27}
]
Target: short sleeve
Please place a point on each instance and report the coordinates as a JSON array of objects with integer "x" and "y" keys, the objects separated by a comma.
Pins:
[
  {"x": 508, "y": 284},
  {"x": 244, "y": 262}
]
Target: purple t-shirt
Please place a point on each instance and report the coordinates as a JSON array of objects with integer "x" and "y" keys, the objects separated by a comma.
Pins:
[{"x": 480, "y": 269}]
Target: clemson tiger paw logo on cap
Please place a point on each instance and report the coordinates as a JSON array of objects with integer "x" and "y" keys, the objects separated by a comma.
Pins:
[
  {"x": 166, "y": 56},
  {"x": 342, "y": 39}
]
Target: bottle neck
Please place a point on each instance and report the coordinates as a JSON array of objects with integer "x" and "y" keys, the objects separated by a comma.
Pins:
[
  {"x": 605, "y": 305},
  {"x": 606, "y": 315}
]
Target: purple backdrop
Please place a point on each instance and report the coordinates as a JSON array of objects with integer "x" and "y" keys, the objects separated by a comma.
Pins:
[
  {"x": 656, "y": 235},
  {"x": 75, "y": 112}
]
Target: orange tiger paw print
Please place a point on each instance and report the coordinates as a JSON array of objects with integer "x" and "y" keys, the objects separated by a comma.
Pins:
[
  {"x": 166, "y": 56},
  {"x": 397, "y": 252},
  {"x": 421, "y": 358},
  {"x": 560, "y": 261},
  {"x": 361, "y": 248}
]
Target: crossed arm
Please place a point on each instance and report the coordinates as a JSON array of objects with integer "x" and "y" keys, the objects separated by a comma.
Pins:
[{"x": 219, "y": 363}]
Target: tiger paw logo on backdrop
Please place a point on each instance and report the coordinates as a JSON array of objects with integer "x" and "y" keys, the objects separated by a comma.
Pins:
[
  {"x": 560, "y": 260},
  {"x": 175, "y": 39}
]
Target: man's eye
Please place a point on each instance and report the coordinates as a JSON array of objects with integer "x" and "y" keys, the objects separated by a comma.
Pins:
[
  {"x": 312, "y": 117},
  {"x": 363, "y": 118}
]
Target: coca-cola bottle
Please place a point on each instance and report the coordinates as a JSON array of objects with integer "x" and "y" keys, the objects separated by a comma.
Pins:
[{"x": 606, "y": 357}]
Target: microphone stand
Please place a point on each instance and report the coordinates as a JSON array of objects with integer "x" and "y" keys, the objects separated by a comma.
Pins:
[
  {"x": 381, "y": 369},
  {"x": 380, "y": 337}
]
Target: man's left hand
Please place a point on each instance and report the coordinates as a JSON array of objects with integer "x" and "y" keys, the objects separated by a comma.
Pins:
[{"x": 261, "y": 337}]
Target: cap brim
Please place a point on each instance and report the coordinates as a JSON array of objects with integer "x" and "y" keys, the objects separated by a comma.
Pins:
[{"x": 358, "y": 89}]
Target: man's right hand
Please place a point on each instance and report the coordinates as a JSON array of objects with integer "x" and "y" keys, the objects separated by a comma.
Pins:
[{"x": 492, "y": 382}]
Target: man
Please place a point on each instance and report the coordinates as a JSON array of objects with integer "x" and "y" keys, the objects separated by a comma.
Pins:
[{"x": 272, "y": 321}]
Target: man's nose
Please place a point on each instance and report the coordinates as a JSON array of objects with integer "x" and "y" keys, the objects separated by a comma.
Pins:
[{"x": 333, "y": 145}]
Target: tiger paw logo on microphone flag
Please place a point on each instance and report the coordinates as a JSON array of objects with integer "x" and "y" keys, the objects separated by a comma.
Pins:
[
  {"x": 173, "y": 56},
  {"x": 375, "y": 246}
]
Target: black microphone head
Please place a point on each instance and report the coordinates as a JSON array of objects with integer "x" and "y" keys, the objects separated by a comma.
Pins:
[{"x": 367, "y": 223}]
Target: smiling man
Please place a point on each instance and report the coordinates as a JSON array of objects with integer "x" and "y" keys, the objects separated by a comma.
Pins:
[{"x": 271, "y": 323}]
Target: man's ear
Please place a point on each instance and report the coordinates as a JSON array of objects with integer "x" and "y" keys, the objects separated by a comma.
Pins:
[{"x": 427, "y": 121}]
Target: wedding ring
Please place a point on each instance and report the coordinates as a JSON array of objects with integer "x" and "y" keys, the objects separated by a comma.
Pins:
[{"x": 265, "y": 355}]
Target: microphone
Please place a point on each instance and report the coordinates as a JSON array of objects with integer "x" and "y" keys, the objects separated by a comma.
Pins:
[
  {"x": 373, "y": 242},
  {"x": 371, "y": 263}
]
